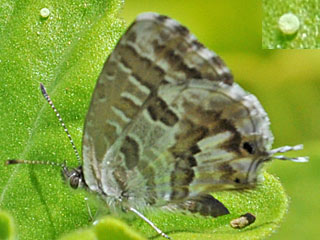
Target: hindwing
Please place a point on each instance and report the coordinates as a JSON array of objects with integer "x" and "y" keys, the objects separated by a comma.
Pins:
[{"x": 166, "y": 121}]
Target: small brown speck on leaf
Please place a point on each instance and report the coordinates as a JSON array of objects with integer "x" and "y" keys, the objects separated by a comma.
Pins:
[{"x": 243, "y": 221}]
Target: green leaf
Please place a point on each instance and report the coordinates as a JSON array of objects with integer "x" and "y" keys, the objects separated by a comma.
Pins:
[
  {"x": 66, "y": 52},
  {"x": 7, "y": 229},
  {"x": 307, "y": 35},
  {"x": 268, "y": 203},
  {"x": 106, "y": 228}
]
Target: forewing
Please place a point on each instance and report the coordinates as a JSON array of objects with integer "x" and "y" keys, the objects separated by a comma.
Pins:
[
  {"x": 166, "y": 122},
  {"x": 154, "y": 50}
]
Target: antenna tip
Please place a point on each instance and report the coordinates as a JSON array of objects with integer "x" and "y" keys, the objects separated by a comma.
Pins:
[
  {"x": 11, "y": 161},
  {"x": 43, "y": 89}
]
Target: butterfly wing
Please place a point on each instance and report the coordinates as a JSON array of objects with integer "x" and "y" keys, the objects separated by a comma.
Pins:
[{"x": 166, "y": 121}]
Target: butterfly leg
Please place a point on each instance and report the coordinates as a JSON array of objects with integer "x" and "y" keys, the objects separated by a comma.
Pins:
[
  {"x": 205, "y": 205},
  {"x": 149, "y": 222},
  {"x": 88, "y": 208}
]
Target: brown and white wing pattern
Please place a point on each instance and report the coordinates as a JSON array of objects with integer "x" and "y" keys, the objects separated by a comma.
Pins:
[{"x": 166, "y": 122}]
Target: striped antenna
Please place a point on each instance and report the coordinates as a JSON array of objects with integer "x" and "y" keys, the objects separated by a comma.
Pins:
[
  {"x": 47, "y": 97},
  {"x": 18, "y": 161}
]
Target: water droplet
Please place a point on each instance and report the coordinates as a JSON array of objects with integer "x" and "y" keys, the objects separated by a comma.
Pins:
[
  {"x": 44, "y": 12},
  {"x": 289, "y": 23}
]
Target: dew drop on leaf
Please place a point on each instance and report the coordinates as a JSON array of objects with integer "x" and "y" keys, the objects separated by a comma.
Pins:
[
  {"x": 303, "y": 36},
  {"x": 289, "y": 23},
  {"x": 44, "y": 12}
]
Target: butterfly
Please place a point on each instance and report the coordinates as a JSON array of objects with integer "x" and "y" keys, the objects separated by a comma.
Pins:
[{"x": 167, "y": 125}]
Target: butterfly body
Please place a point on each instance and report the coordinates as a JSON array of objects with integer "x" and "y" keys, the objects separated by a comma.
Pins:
[{"x": 167, "y": 123}]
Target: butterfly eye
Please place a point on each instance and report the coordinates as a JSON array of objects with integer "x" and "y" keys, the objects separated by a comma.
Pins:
[
  {"x": 74, "y": 181},
  {"x": 237, "y": 180},
  {"x": 248, "y": 147}
]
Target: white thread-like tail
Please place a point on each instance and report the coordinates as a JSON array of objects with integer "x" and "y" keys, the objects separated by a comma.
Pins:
[{"x": 284, "y": 149}]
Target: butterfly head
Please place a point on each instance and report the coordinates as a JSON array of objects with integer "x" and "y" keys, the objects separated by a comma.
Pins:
[{"x": 74, "y": 177}]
